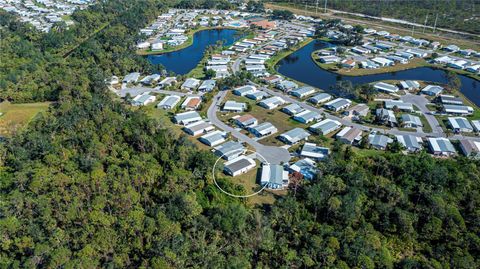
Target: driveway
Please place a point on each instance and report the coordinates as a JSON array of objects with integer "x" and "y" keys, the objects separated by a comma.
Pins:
[
  {"x": 273, "y": 155},
  {"x": 421, "y": 102}
]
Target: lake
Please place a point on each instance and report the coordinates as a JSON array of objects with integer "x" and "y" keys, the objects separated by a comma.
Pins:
[
  {"x": 300, "y": 66},
  {"x": 184, "y": 60}
]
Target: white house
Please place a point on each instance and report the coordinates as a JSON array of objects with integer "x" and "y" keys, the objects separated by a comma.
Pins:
[
  {"x": 233, "y": 106},
  {"x": 238, "y": 166},
  {"x": 143, "y": 99},
  {"x": 169, "y": 102},
  {"x": 272, "y": 102}
]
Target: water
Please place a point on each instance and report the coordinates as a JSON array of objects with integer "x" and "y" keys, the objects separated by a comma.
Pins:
[
  {"x": 184, "y": 60},
  {"x": 300, "y": 66}
]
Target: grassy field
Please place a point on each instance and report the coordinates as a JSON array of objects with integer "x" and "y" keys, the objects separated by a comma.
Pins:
[
  {"x": 16, "y": 116},
  {"x": 282, "y": 121}
]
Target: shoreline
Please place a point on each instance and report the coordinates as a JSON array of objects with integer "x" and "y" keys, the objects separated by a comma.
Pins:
[
  {"x": 187, "y": 43},
  {"x": 401, "y": 67}
]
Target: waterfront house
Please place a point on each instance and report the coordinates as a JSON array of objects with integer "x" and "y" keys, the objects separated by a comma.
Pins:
[
  {"x": 385, "y": 87},
  {"x": 432, "y": 90},
  {"x": 320, "y": 98},
  {"x": 338, "y": 104},
  {"x": 303, "y": 92}
]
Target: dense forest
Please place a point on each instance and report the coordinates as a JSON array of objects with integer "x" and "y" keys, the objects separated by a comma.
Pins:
[
  {"x": 93, "y": 183},
  {"x": 463, "y": 15}
]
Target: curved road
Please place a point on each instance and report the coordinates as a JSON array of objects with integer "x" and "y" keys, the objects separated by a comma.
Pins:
[{"x": 273, "y": 155}]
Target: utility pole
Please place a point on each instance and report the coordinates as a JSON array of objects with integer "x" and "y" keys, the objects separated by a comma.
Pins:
[
  {"x": 425, "y": 24},
  {"x": 435, "y": 25},
  {"x": 325, "y": 7}
]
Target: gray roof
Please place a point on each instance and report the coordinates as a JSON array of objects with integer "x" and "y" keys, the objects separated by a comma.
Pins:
[
  {"x": 441, "y": 144},
  {"x": 319, "y": 97},
  {"x": 244, "y": 89},
  {"x": 389, "y": 104},
  {"x": 169, "y": 101},
  {"x": 238, "y": 165},
  {"x": 411, "y": 119},
  {"x": 379, "y": 140},
  {"x": 257, "y": 95},
  {"x": 409, "y": 141},
  {"x": 339, "y": 102},
  {"x": 132, "y": 77},
  {"x": 295, "y": 135},
  {"x": 446, "y": 99},
  {"x": 307, "y": 115},
  {"x": 186, "y": 115},
  {"x": 208, "y": 84},
  {"x": 293, "y": 109},
  {"x": 276, "y": 174},
  {"x": 230, "y": 148},
  {"x": 432, "y": 89},
  {"x": 263, "y": 126},
  {"x": 326, "y": 126},
  {"x": 213, "y": 137},
  {"x": 310, "y": 149},
  {"x": 460, "y": 123},
  {"x": 302, "y": 90},
  {"x": 191, "y": 83}
]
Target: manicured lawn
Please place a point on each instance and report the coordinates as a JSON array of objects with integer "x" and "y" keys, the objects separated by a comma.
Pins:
[
  {"x": 426, "y": 126},
  {"x": 16, "y": 116},
  {"x": 281, "y": 120}
]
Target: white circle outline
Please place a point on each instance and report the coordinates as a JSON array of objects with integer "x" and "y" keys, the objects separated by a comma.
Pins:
[{"x": 234, "y": 195}]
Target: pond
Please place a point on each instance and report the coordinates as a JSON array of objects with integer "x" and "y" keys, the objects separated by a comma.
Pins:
[
  {"x": 300, "y": 66},
  {"x": 184, "y": 60}
]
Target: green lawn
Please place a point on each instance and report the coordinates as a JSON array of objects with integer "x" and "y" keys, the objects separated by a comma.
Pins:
[{"x": 16, "y": 116}]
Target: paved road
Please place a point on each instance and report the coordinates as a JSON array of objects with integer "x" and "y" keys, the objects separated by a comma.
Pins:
[
  {"x": 421, "y": 102},
  {"x": 348, "y": 122},
  {"x": 273, "y": 155},
  {"x": 140, "y": 90}
]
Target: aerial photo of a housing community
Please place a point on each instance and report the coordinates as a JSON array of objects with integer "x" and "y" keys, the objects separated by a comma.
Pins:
[{"x": 269, "y": 125}]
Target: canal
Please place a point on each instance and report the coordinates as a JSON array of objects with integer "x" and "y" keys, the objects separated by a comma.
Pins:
[
  {"x": 184, "y": 60},
  {"x": 300, "y": 66}
]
